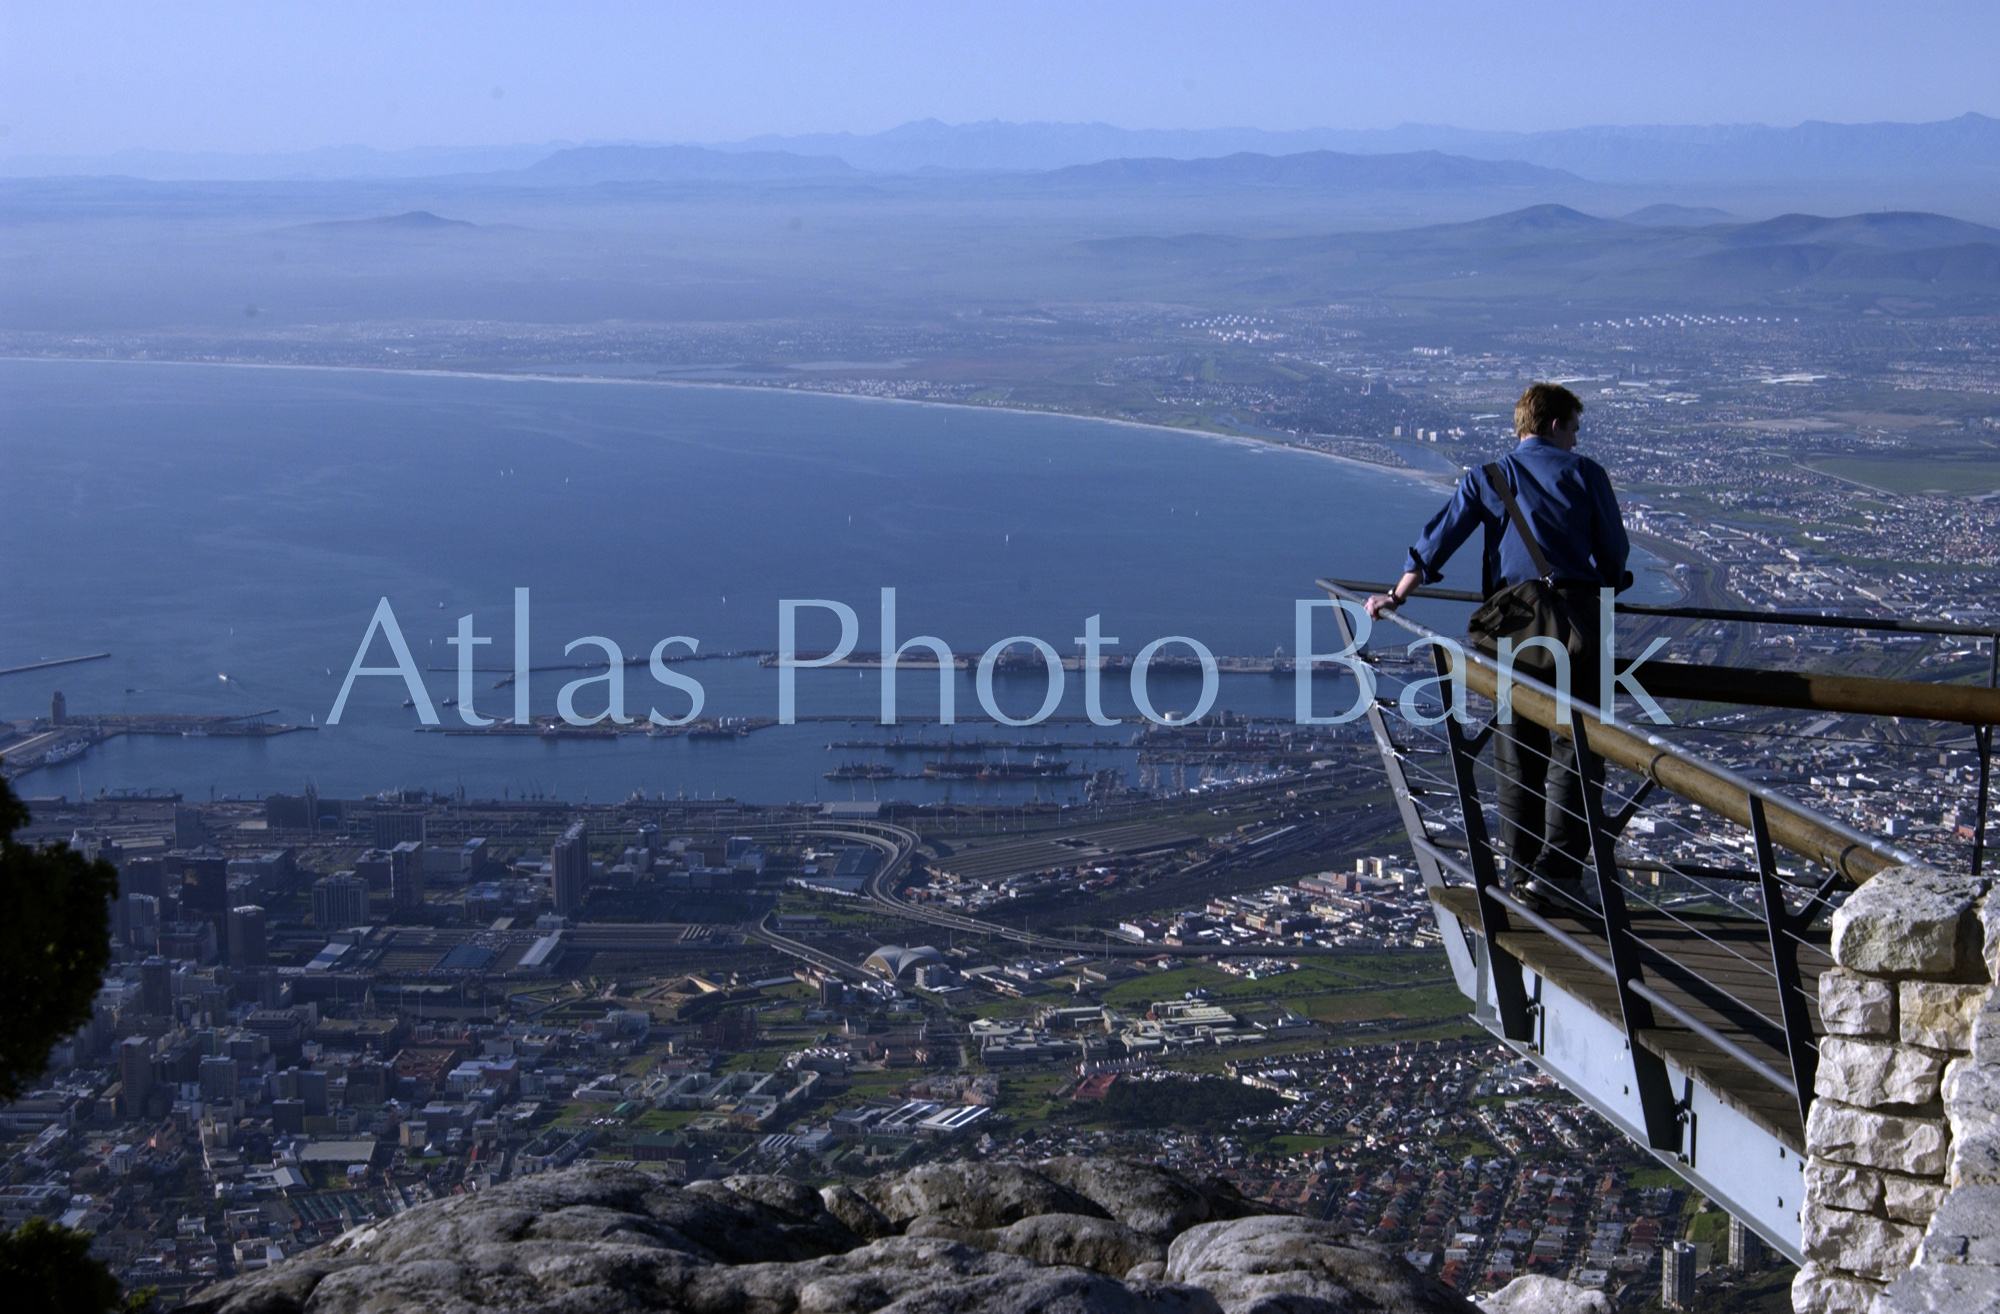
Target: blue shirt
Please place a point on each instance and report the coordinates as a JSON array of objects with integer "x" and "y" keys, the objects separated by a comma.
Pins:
[{"x": 1569, "y": 503}]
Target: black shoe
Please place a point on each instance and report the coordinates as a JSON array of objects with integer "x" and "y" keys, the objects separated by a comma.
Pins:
[{"x": 1548, "y": 896}]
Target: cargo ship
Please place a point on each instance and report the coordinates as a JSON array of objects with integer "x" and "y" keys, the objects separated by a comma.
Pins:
[
  {"x": 68, "y": 752},
  {"x": 1041, "y": 768},
  {"x": 861, "y": 771}
]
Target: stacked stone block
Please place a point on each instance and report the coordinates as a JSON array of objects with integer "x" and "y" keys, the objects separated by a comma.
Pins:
[
  {"x": 1958, "y": 1266},
  {"x": 1895, "y": 1013},
  {"x": 1884, "y": 1148}
]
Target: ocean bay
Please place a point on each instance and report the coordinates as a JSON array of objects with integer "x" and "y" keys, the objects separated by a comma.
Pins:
[{"x": 226, "y": 533}]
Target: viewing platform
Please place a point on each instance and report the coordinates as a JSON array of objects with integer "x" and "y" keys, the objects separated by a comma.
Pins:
[{"x": 1793, "y": 1015}]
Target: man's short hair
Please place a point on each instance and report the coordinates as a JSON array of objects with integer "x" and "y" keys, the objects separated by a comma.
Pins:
[{"x": 1544, "y": 404}]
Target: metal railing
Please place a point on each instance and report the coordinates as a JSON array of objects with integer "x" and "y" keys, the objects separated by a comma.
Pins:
[
  {"x": 1971, "y": 705},
  {"x": 1694, "y": 925}
]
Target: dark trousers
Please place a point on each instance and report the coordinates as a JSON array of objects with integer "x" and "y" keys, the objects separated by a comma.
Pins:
[
  {"x": 1540, "y": 793},
  {"x": 1541, "y": 801}
]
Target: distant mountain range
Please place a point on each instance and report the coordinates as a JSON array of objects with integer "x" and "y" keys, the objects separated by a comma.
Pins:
[
  {"x": 1734, "y": 153},
  {"x": 412, "y": 221},
  {"x": 599, "y": 164},
  {"x": 1686, "y": 216},
  {"x": 1307, "y": 170},
  {"x": 1963, "y": 150},
  {"x": 1585, "y": 260}
]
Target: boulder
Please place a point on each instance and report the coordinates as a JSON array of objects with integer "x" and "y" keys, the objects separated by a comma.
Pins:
[
  {"x": 855, "y": 1213},
  {"x": 282, "y": 1289},
  {"x": 979, "y": 1239},
  {"x": 1972, "y": 1215},
  {"x": 1287, "y": 1265},
  {"x": 1146, "y": 1197},
  {"x": 926, "y": 1275},
  {"x": 977, "y": 1195},
  {"x": 615, "y": 1235},
  {"x": 1545, "y": 1295},
  {"x": 1073, "y": 1240},
  {"x": 1938, "y": 1289}
]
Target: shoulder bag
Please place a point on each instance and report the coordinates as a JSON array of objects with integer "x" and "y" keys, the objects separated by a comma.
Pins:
[{"x": 1532, "y": 609}]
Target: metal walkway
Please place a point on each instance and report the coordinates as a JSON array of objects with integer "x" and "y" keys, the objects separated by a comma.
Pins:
[
  {"x": 1705, "y": 965},
  {"x": 1682, "y": 1001}
]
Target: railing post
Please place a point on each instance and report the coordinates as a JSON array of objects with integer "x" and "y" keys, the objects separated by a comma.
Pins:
[
  {"x": 1661, "y": 1111},
  {"x": 1463, "y": 967},
  {"x": 1983, "y": 737},
  {"x": 1783, "y": 928},
  {"x": 1510, "y": 991}
]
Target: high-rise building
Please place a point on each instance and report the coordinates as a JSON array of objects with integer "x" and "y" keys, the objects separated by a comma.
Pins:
[
  {"x": 218, "y": 1079},
  {"x": 569, "y": 869},
  {"x": 246, "y": 936},
  {"x": 156, "y": 988},
  {"x": 339, "y": 901},
  {"x": 1677, "y": 1275},
  {"x": 204, "y": 884},
  {"x": 374, "y": 867},
  {"x": 135, "y": 1073},
  {"x": 189, "y": 832},
  {"x": 1746, "y": 1248},
  {"x": 58, "y": 710},
  {"x": 143, "y": 876},
  {"x": 393, "y": 827},
  {"x": 142, "y": 921},
  {"x": 288, "y": 1116},
  {"x": 406, "y": 875},
  {"x": 313, "y": 1092},
  {"x": 193, "y": 941}
]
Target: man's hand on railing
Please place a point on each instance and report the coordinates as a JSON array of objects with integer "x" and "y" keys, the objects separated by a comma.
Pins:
[{"x": 1380, "y": 602}]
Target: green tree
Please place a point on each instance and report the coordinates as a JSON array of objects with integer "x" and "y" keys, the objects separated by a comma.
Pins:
[
  {"x": 54, "y": 945},
  {"x": 46, "y": 1267}
]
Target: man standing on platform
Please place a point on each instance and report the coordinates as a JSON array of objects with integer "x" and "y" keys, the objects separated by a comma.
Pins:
[{"x": 1568, "y": 503}]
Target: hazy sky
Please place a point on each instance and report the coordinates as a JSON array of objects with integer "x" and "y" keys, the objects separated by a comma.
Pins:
[{"x": 84, "y": 78}]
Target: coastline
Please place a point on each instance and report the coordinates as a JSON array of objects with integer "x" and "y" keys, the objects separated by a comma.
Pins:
[{"x": 1433, "y": 479}]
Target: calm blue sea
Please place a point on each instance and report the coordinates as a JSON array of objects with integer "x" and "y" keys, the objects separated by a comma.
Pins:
[{"x": 203, "y": 522}]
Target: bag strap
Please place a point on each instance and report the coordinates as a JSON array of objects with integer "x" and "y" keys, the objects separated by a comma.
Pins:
[{"x": 1499, "y": 483}]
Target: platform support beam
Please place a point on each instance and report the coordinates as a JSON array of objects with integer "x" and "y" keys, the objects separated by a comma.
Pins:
[{"x": 1661, "y": 1110}]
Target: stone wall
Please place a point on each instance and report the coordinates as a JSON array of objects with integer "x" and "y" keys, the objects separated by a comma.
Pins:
[{"x": 1904, "y": 1137}]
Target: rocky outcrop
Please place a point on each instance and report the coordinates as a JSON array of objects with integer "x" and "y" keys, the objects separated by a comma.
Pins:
[
  {"x": 1284, "y": 1265},
  {"x": 855, "y": 1213},
  {"x": 1545, "y": 1295},
  {"x": 1067, "y": 1237},
  {"x": 1074, "y": 1240},
  {"x": 1146, "y": 1197},
  {"x": 975, "y": 1195}
]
